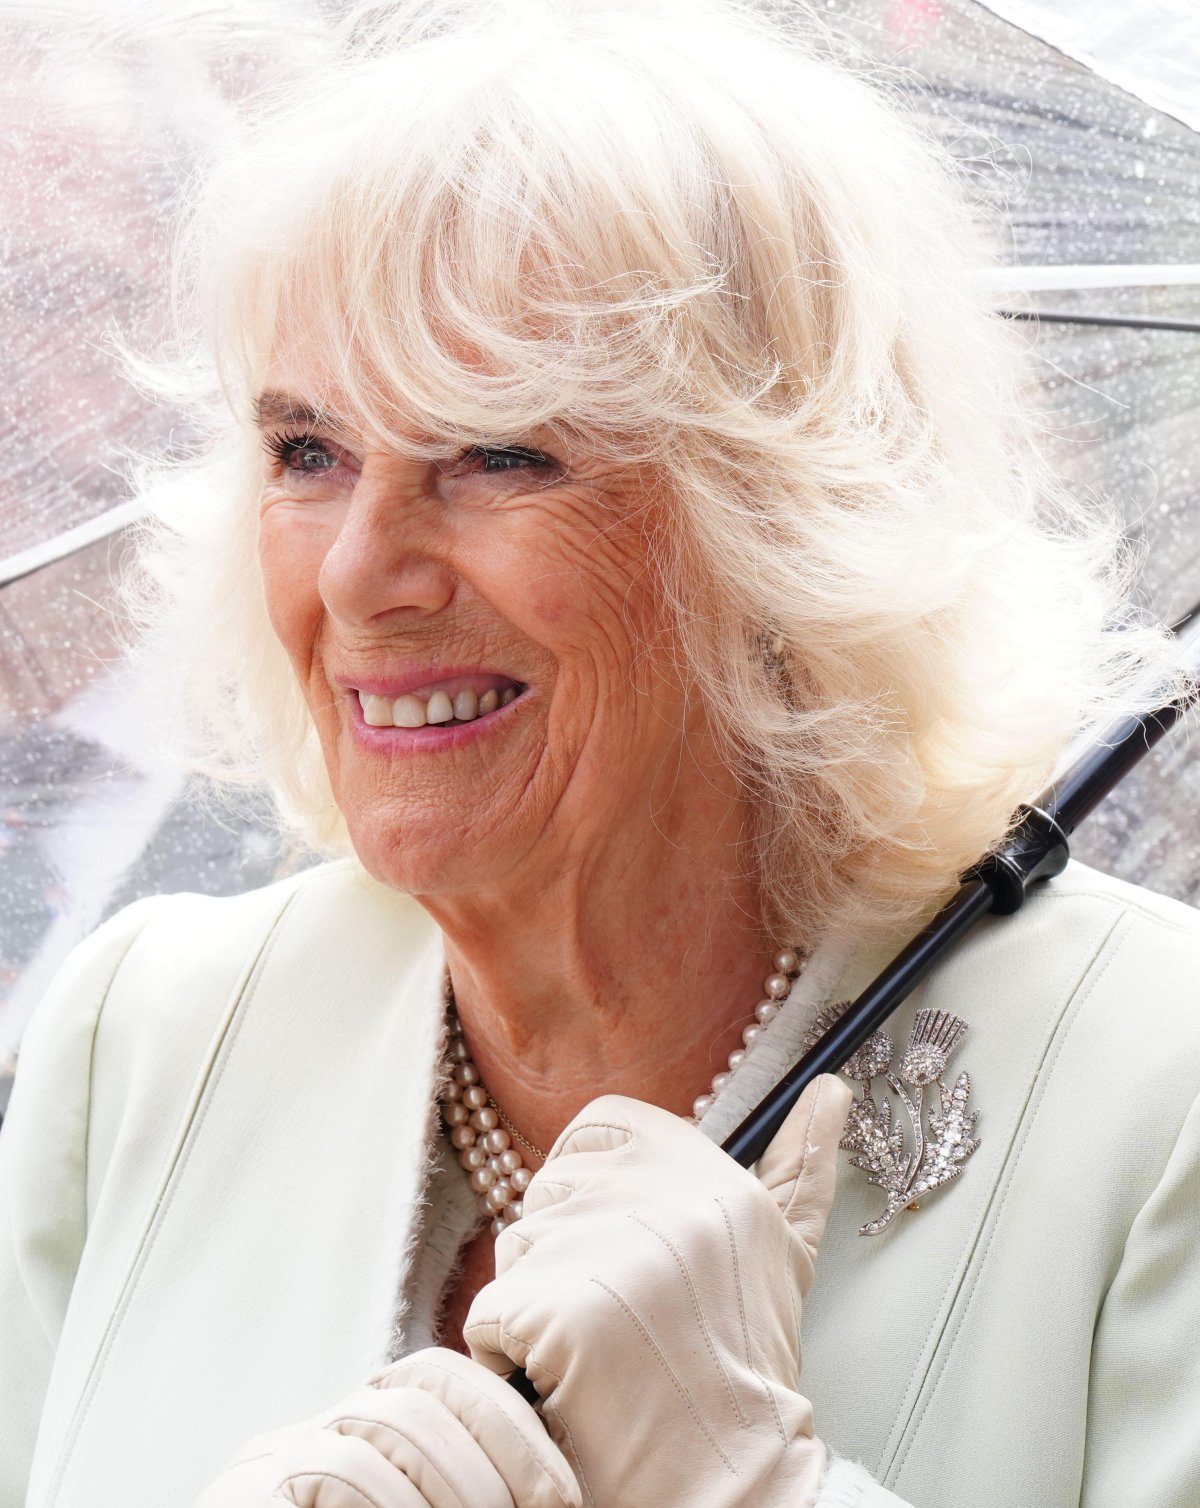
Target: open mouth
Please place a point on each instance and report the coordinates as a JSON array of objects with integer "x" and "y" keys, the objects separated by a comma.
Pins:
[{"x": 447, "y": 704}]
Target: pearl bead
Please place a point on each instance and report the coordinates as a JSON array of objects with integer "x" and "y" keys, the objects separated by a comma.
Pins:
[
  {"x": 516, "y": 1208},
  {"x": 484, "y": 1206},
  {"x": 510, "y": 1161},
  {"x": 498, "y": 1226},
  {"x": 462, "y": 1137},
  {"x": 497, "y": 1140},
  {"x": 455, "y": 1027},
  {"x": 751, "y": 1035},
  {"x": 467, "y": 1073},
  {"x": 520, "y": 1178},
  {"x": 482, "y": 1179},
  {"x": 485, "y": 1118},
  {"x": 736, "y": 1058},
  {"x": 499, "y": 1194},
  {"x": 494, "y": 1164},
  {"x": 476, "y": 1097},
  {"x": 701, "y": 1105},
  {"x": 786, "y": 962},
  {"x": 456, "y": 1115},
  {"x": 720, "y": 1081},
  {"x": 472, "y": 1158},
  {"x": 776, "y": 986},
  {"x": 765, "y": 1012},
  {"x": 454, "y": 1092},
  {"x": 460, "y": 1054}
]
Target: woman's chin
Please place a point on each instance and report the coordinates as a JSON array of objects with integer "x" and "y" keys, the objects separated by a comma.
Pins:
[{"x": 420, "y": 863}]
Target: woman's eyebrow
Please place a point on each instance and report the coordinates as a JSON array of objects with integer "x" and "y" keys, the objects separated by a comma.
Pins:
[{"x": 275, "y": 407}]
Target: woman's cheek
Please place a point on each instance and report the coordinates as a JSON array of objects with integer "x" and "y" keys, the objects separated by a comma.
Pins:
[{"x": 290, "y": 552}]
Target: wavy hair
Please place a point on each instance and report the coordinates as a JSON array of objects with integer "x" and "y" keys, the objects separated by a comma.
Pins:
[{"x": 697, "y": 237}]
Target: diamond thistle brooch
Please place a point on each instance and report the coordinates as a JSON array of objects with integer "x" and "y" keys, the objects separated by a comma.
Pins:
[{"x": 876, "y": 1136}]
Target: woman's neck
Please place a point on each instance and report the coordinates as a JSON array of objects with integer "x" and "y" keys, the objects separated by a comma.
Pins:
[{"x": 630, "y": 972}]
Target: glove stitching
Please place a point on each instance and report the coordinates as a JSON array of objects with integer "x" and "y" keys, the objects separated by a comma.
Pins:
[
  {"x": 741, "y": 1297},
  {"x": 793, "y": 1288},
  {"x": 700, "y": 1320},
  {"x": 457, "y": 1377},
  {"x": 638, "y": 1322}
]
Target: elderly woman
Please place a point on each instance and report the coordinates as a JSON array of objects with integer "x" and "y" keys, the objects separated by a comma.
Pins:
[{"x": 619, "y": 537}]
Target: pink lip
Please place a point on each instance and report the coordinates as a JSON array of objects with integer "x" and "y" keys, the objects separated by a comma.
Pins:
[
  {"x": 434, "y": 738},
  {"x": 425, "y": 679}
]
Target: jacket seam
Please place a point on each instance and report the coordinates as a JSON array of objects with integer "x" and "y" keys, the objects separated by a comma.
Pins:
[
  {"x": 201, "y": 1099},
  {"x": 1123, "y": 905},
  {"x": 101, "y": 1002},
  {"x": 943, "y": 1314},
  {"x": 971, "y": 1280}
]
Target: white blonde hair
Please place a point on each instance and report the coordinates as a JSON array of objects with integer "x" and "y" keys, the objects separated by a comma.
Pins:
[{"x": 687, "y": 234}]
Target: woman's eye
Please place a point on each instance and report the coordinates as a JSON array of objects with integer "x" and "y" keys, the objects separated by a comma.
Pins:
[
  {"x": 494, "y": 458},
  {"x": 301, "y": 453}
]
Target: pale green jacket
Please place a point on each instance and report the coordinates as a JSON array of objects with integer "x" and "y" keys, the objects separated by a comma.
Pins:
[{"x": 213, "y": 1170}]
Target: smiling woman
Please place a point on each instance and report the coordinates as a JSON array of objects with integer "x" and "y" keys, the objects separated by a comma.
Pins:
[{"x": 621, "y": 547}]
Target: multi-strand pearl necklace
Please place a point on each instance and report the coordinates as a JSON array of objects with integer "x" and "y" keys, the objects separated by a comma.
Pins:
[{"x": 484, "y": 1137}]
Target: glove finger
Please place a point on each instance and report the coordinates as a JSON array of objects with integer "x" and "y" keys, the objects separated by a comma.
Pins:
[
  {"x": 311, "y": 1467},
  {"x": 425, "y": 1442},
  {"x": 800, "y": 1165},
  {"x": 497, "y": 1418}
]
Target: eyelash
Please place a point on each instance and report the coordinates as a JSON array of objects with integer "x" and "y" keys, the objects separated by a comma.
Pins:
[{"x": 284, "y": 449}]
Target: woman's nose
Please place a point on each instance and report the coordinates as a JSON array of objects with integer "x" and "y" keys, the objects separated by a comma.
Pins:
[{"x": 387, "y": 556}]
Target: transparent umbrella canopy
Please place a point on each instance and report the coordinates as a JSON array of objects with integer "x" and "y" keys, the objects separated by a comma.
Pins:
[{"x": 1092, "y": 158}]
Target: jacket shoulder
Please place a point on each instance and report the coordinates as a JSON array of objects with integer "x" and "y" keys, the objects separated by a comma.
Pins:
[
  {"x": 1131, "y": 954},
  {"x": 193, "y": 968},
  {"x": 1098, "y": 892}
]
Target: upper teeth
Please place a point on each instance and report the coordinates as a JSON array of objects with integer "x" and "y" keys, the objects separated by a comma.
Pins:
[{"x": 413, "y": 710}]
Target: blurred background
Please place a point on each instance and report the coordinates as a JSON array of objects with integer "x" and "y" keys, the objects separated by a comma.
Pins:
[{"x": 1078, "y": 120}]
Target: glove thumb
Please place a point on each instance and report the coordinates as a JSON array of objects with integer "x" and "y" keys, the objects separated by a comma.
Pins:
[{"x": 800, "y": 1165}]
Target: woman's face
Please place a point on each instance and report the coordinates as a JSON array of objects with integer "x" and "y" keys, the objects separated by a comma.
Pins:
[{"x": 501, "y": 601}]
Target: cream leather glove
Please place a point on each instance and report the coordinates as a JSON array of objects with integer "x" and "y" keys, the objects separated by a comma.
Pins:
[
  {"x": 652, "y": 1293},
  {"x": 432, "y": 1431}
]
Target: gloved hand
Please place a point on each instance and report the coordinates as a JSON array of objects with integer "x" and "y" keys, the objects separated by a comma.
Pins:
[
  {"x": 432, "y": 1431},
  {"x": 652, "y": 1293}
]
